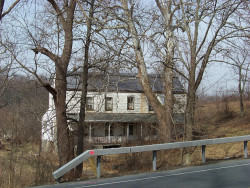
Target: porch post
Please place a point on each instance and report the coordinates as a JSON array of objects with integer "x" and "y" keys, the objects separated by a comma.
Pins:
[
  {"x": 109, "y": 133},
  {"x": 127, "y": 131},
  {"x": 141, "y": 130},
  {"x": 89, "y": 132}
]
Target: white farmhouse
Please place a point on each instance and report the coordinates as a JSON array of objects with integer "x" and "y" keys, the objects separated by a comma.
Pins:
[{"x": 117, "y": 109}]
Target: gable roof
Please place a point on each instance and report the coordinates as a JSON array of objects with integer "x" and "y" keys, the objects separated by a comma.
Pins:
[{"x": 124, "y": 82}]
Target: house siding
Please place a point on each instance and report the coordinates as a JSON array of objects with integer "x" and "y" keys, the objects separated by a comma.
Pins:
[
  {"x": 141, "y": 128},
  {"x": 119, "y": 102}
]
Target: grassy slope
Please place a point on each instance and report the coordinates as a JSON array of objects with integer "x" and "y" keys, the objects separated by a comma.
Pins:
[
  {"x": 213, "y": 120},
  {"x": 223, "y": 119}
]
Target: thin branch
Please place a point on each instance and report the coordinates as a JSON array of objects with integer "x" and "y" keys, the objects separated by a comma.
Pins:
[
  {"x": 11, "y": 7},
  {"x": 59, "y": 12}
]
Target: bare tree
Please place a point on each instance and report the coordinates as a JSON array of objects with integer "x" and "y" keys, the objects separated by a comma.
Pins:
[
  {"x": 140, "y": 24},
  {"x": 203, "y": 26},
  {"x": 61, "y": 57},
  {"x": 238, "y": 58},
  {"x": 206, "y": 24},
  {"x": 163, "y": 113},
  {"x": 4, "y": 75},
  {"x": 66, "y": 19},
  {"x": 96, "y": 55},
  {"x": 84, "y": 80},
  {"x": 4, "y": 70},
  {"x": 51, "y": 47}
]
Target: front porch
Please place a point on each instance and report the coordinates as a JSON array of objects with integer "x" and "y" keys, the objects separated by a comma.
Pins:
[
  {"x": 117, "y": 133},
  {"x": 110, "y": 128}
]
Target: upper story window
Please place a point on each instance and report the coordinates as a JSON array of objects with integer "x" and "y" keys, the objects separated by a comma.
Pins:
[
  {"x": 90, "y": 103},
  {"x": 130, "y": 103},
  {"x": 108, "y": 104},
  {"x": 150, "y": 108}
]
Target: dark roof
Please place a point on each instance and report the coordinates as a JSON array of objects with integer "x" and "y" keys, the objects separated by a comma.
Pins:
[
  {"x": 123, "y": 117},
  {"x": 121, "y": 82}
]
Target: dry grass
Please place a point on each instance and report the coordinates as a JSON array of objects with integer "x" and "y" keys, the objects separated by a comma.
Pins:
[
  {"x": 214, "y": 120},
  {"x": 24, "y": 168}
]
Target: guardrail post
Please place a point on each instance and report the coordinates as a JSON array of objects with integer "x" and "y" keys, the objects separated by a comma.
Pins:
[
  {"x": 245, "y": 149},
  {"x": 154, "y": 160},
  {"x": 203, "y": 148},
  {"x": 98, "y": 166},
  {"x": 58, "y": 180}
]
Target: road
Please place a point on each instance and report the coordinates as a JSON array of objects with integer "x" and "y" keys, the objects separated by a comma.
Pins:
[{"x": 231, "y": 173}]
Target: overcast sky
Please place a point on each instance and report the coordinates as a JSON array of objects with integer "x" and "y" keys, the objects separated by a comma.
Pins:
[{"x": 218, "y": 78}]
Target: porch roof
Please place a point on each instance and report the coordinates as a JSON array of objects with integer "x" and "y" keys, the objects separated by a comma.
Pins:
[{"x": 123, "y": 117}]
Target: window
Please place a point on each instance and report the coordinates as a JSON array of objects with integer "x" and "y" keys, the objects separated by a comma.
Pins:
[
  {"x": 124, "y": 130},
  {"x": 130, "y": 103},
  {"x": 108, "y": 127},
  {"x": 150, "y": 108},
  {"x": 90, "y": 103},
  {"x": 130, "y": 130},
  {"x": 108, "y": 104}
]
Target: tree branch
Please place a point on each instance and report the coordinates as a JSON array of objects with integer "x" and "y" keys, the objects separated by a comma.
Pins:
[
  {"x": 45, "y": 85},
  {"x": 8, "y": 11},
  {"x": 59, "y": 12},
  {"x": 46, "y": 52}
]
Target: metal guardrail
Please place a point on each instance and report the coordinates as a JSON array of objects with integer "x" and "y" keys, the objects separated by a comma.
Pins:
[{"x": 154, "y": 148}]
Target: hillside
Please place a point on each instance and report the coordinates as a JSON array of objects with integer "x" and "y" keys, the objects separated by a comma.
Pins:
[
  {"x": 25, "y": 166},
  {"x": 222, "y": 119}
]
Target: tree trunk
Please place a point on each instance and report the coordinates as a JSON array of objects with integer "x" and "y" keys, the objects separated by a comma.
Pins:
[
  {"x": 161, "y": 111},
  {"x": 241, "y": 94},
  {"x": 188, "y": 136},
  {"x": 64, "y": 139},
  {"x": 84, "y": 81},
  {"x": 65, "y": 151},
  {"x": 1, "y": 8},
  {"x": 168, "y": 80},
  {"x": 82, "y": 125},
  {"x": 166, "y": 11},
  {"x": 168, "y": 102},
  {"x": 190, "y": 112}
]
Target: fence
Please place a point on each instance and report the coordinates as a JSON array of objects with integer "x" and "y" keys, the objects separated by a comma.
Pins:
[
  {"x": 154, "y": 148},
  {"x": 107, "y": 139}
]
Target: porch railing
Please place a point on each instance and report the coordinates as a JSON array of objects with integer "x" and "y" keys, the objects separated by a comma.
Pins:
[
  {"x": 117, "y": 139},
  {"x": 107, "y": 139}
]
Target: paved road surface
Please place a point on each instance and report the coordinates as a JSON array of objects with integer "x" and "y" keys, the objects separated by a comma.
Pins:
[{"x": 232, "y": 173}]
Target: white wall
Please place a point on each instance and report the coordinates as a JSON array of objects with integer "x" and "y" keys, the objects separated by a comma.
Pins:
[
  {"x": 49, "y": 122},
  {"x": 119, "y": 106},
  {"x": 120, "y": 102}
]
